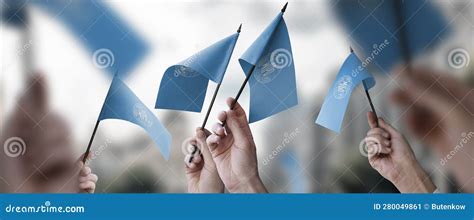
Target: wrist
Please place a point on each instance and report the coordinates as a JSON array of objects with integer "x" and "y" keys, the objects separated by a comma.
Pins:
[
  {"x": 413, "y": 179},
  {"x": 249, "y": 185}
]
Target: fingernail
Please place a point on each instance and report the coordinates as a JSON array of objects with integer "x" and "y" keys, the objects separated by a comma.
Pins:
[
  {"x": 386, "y": 135},
  {"x": 386, "y": 143}
]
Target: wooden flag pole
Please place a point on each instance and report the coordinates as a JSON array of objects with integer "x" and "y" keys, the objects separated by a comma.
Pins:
[
  {"x": 195, "y": 148},
  {"x": 370, "y": 100}
]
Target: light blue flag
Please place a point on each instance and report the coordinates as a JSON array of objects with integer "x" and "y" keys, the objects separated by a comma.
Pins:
[
  {"x": 183, "y": 86},
  {"x": 112, "y": 43},
  {"x": 121, "y": 103},
  {"x": 273, "y": 83},
  {"x": 375, "y": 27},
  {"x": 351, "y": 74}
]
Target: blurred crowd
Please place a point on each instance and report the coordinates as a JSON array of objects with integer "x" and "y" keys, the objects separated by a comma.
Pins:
[{"x": 432, "y": 107}]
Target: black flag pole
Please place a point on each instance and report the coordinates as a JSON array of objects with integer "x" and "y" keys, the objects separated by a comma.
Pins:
[
  {"x": 86, "y": 154},
  {"x": 195, "y": 148},
  {"x": 370, "y": 100}
]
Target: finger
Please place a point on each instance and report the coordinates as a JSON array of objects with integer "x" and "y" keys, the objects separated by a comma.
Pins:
[
  {"x": 206, "y": 132},
  {"x": 201, "y": 142},
  {"x": 239, "y": 111},
  {"x": 189, "y": 165},
  {"x": 372, "y": 119},
  {"x": 237, "y": 122},
  {"x": 379, "y": 131},
  {"x": 218, "y": 129},
  {"x": 378, "y": 139},
  {"x": 375, "y": 149},
  {"x": 222, "y": 116},
  {"x": 92, "y": 177},
  {"x": 86, "y": 171},
  {"x": 79, "y": 165},
  {"x": 79, "y": 160},
  {"x": 212, "y": 142},
  {"x": 88, "y": 186}
]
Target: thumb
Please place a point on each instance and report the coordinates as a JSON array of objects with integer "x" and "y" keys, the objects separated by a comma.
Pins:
[
  {"x": 372, "y": 119},
  {"x": 80, "y": 161},
  {"x": 235, "y": 107},
  {"x": 78, "y": 165},
  {"x": 238, "y": 125}
]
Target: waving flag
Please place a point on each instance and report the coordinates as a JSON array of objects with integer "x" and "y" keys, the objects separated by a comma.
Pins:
[
  {"x": 351, "y": 74},
  {"x": 121, "y": 103},
  {"x": 273, "y": 83},
  {"x": 112, "y": 43},
  {"x": 376, "y": 27},
  {"x": 183, "y": 86}
]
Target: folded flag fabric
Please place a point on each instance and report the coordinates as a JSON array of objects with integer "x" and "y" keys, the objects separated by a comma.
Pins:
[
  {"x": 273, "y": 83},
  {"x": 183, "y": 86},
  {"x": 376, "y": 28},
  {"x": 121, "y": 103},
  {"x": 351, "y": 74},
  {"x": 112, "y": 43}
]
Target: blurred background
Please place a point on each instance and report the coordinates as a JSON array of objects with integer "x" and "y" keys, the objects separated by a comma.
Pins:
[{"x": 295, "y": 154}]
